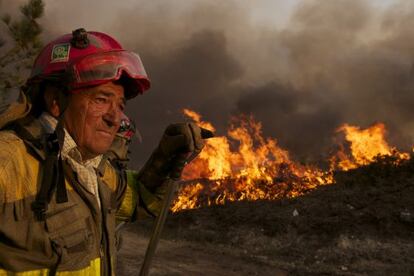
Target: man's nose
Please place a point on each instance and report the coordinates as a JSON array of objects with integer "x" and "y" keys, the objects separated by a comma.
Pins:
[{"x": 113, "y": 116}]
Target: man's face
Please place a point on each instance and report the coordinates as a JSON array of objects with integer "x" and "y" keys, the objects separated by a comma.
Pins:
[{"x": 93, "y": 116}]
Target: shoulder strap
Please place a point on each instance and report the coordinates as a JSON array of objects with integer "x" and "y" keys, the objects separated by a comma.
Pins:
[
  {"x": 52, "y": 179},
  {"x": 47, "y": 148}
]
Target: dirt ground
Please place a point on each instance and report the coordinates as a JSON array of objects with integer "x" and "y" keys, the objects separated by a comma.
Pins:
[
  {"x": 180, "y": 257},
  {"x": 362, "y": 225}
]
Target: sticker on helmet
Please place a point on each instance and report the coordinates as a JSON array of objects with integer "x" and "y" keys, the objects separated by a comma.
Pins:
[{"x": 60, "y": 52}]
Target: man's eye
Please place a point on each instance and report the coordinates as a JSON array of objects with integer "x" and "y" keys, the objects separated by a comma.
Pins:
[{"x": 101, "y": 100}]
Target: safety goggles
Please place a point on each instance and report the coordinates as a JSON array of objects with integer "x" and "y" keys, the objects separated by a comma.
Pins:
[{"x": 100, "y": 68}]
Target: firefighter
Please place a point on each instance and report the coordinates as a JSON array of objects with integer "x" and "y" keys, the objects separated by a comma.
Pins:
[{"x": 63, "y": 180}]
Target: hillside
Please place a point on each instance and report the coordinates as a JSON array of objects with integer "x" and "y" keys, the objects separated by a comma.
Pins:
[{"x": 362, "y": 225}]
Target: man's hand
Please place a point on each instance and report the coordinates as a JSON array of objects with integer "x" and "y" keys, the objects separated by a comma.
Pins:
[{"x": 180, "y": 144}]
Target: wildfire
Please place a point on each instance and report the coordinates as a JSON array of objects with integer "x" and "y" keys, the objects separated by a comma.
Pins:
[
  {"x": 365, "y": 146},
  {"x": 246, "y": 166}
]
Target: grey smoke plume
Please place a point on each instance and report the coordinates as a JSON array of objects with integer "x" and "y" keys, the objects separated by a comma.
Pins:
[{"x": 333, "y": 62}]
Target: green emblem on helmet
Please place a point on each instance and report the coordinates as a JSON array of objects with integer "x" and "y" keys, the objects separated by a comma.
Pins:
[{"x": 60, "y": 52}]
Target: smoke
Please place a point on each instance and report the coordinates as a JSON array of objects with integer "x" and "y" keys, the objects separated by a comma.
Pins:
[{"x": 326, "y": 63}]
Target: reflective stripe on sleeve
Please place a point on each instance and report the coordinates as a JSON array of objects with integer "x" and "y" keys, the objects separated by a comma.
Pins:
[{"x": 129, "y": 201}]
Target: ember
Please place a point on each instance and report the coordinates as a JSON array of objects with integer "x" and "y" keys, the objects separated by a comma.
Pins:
[{"x": 246, "y": 166}]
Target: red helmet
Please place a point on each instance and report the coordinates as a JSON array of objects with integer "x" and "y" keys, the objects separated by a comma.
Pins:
[{"x": 87, "y": 59}]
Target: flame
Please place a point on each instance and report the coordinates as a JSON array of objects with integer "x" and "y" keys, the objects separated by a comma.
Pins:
[
  {"x": 243, "y": 165},
  {"x": 365, "y": 146}
]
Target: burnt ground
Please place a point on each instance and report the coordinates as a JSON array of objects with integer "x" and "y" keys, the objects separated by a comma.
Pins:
[{"x": 362, "y": 225}]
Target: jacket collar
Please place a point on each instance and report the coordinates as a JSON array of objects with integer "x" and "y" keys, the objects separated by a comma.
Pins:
[{"x": 30, "y": 130}]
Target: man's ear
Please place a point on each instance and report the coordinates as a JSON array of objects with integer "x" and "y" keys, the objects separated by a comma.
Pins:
[{"x": 51, "y": 97}]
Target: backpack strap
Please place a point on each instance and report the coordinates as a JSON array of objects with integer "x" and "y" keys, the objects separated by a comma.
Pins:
[
  {"x": 48, "y": 149},
  {"x": 39, "y": 206}
]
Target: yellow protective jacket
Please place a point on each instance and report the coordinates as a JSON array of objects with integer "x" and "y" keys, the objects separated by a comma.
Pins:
[{"x": 76, "y": 237}]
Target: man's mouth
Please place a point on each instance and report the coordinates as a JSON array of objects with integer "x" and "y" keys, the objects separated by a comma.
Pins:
[{"x": 106, "y": 133}]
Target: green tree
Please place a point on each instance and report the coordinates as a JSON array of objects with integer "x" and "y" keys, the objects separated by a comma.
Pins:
[{"x": 19, "y": 46}]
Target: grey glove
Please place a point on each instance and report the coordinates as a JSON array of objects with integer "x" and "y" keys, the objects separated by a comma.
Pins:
[{"x": 180, "y": 144}]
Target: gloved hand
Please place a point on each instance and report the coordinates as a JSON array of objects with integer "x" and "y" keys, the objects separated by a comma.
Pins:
[{"x": 180, "y": 144}]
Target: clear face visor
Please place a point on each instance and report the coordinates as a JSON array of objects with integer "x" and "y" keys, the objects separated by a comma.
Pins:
[{"x": 99, "y": 68}]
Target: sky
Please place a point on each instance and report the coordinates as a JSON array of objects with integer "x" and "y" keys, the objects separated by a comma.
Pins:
[{"x": 301, "y": 68}]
